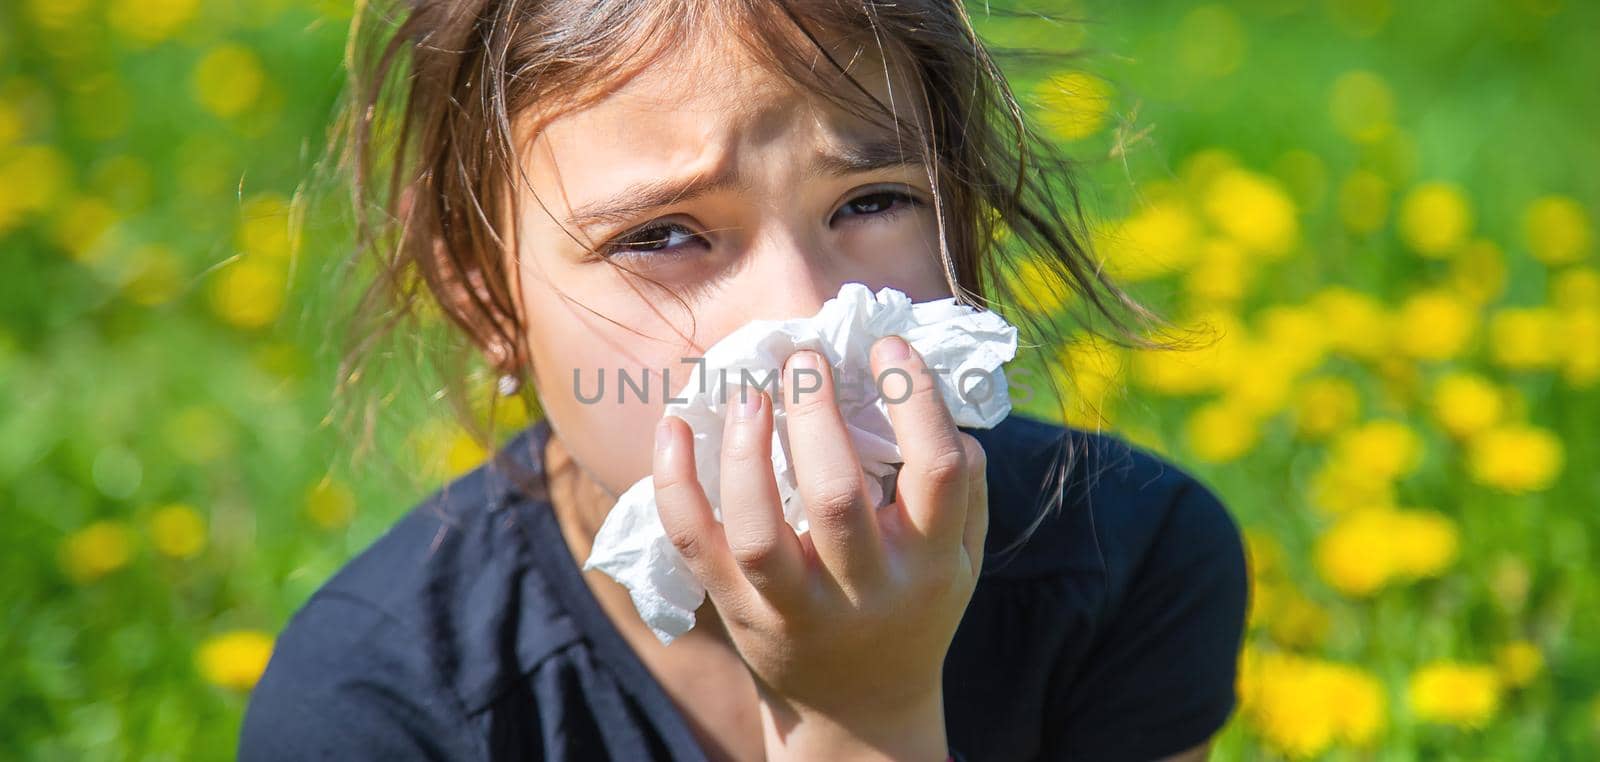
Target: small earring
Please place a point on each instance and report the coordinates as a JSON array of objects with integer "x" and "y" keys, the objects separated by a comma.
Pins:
[{"x": 508, "y": 384}]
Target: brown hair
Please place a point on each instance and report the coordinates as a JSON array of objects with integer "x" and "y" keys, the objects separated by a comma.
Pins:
[{"x": 428, "y": 140}]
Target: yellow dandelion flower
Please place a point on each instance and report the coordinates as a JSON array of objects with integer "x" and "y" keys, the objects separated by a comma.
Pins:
[
  {"x": 1093, "y": 368},
  {"x": 1301, "y": 706},
  {"x": 1466, "y": 403},
  {"x": 249, "y": 293},
  {"x": 1338, "y": 487},
  {"x": 32, "y": 178},
  {"x": 1525, "y": 338},
  {"x": 1298, "y": 622},
  {"x": 235, "y": 659},
  {"x": 1297, "y": 333},
  {"x": 1039, "y": 289},
  {"x": 330, "y": 504},
  {"x": 1201, "y": 168},
  {"x": 1575, "y": 288},
  {"x": 1362, "y": 106},
  {"x": 1219, "y": 432},
  {"x": 1580, "y": 330},
  {"x": 1156, "y": 240},
  {"x": 150, "y": 21},
  {"x": 1425, "y": 542},
  {"x": 1515, "y": 458},
  {"x": 1557, "y": 230},
  {"x": 79, "y": 225},
  {"x": 1325, "y": 405},
  {"x": 1385, "y": 448},
  {"x": 1478, "y": 271},
  {"x": 228, "y": 80},
  {"x": 1356, "y": 556},
  {"x": 264, "y": 227},
  {"x": 1435, "y": 325},
  {"x": 1090, "y": 372},
  {"x": 57, "y": 14},
  {"x": 1358, "y": 325},
  {"x": 1464, "y": 695},
  {"x": 1262, "y": 600},
  {"x": 1172, "y": 372},
  {"x": 465, "y": 454},
  {"x": 1074, "y": 104},
  {"x": 1519, "y": 662},
  {"x": 509, "y": 414},
  {"x": 1254, "y": 210},
  {"x": 96, "y": 550},
  {"x": 445, "y": 450},
  {"x": 12, "y": 125},
  {"x": 178, "y": 531},
  {"x": 1359, "y": 702},
  {"x": 1264, "y": 552},
  {"x": 1435, "y": 219},
  {"x": 1286, "y": 708},
  {"x": 1216, "y": 338},
  {"x": 1364, "y": 201},
  {"x": 1220, "y": 274},
  {"x": 1262, "y": 384}
]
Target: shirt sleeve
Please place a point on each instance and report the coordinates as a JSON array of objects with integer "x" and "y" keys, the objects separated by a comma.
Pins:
[
  {"x": 1161, "y": 677},
  {"x": 339, "y": 685}
]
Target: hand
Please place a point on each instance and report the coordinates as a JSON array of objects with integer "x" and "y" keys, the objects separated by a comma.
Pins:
[{"x": 846, "y": 626}]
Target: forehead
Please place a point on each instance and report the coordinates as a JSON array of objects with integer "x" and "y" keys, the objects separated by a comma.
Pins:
[{"x": 699, "y": 101}]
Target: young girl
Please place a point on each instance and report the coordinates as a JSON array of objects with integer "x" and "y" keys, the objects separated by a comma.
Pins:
[{"x": 604, "y": 184}]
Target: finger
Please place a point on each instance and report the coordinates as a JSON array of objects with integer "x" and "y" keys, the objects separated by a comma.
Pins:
[
  {"x": 976, "y": 532},
  {"x": 933, "y": 482},
  {"x": 843, "y": 528},
  {"x": 760, "y": 539},
  {"x": 686, "y": 515}
]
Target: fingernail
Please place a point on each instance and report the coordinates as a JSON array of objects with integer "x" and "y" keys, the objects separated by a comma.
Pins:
[
  {"x": 663, "y": 434},
  {"x": 804, "y": 358},
  {"x": 893, "y": 349},
  {"x": 748, "y": 403}
]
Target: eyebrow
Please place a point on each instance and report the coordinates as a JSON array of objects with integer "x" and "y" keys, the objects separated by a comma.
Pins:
[{"x": 864, "y": 156}]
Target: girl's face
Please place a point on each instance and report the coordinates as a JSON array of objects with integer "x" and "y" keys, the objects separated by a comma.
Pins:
[{"x": 723, "y": 182}]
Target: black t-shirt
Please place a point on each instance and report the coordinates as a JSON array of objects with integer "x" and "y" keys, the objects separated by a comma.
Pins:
[{"x": 467, "y": 631}]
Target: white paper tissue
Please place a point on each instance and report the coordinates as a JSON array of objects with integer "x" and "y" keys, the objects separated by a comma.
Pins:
[{"x": 965, "y": 346}]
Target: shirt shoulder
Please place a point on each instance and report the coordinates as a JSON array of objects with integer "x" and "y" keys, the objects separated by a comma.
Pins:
[
  {"x": 1068, "y": 500},
  {"x": 455, "y": 586},
  {"x": 1111, "y": 604}
]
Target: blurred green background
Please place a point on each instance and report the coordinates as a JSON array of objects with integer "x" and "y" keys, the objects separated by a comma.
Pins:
[{"x": 1387, "y": 208}]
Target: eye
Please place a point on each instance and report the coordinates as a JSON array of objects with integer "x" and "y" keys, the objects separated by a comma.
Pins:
[
  {"x": 653, "y": 240},
  {"x": 877, "y": 203}
]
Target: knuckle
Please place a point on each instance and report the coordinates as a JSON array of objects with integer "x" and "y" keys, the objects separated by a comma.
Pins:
[
  {"x": 925, "y": 390},
  {"x": 947, "y": 466},
  {"x": 977, "y": 457},
  {"x": 672, "y": 489},
  {"x": 687, "y": 540},
  {"x": 806, "y": 404},
  {"x": 836, "y": 497},
  {"x": 753, "y": 552}
]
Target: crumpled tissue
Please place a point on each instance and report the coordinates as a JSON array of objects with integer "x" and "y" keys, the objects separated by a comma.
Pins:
[{"x": 965, "y": 346}]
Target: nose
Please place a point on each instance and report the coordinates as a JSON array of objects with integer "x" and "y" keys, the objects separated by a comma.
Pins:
[{"x": 788, "y": 277}]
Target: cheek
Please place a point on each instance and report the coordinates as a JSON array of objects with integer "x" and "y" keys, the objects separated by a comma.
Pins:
[
  {"x": 581, "y": 346},
  {"x": 904, "y": 254}
]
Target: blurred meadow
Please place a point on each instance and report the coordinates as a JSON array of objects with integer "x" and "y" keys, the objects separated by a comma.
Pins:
[{"x": 1383, "y": 211}]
